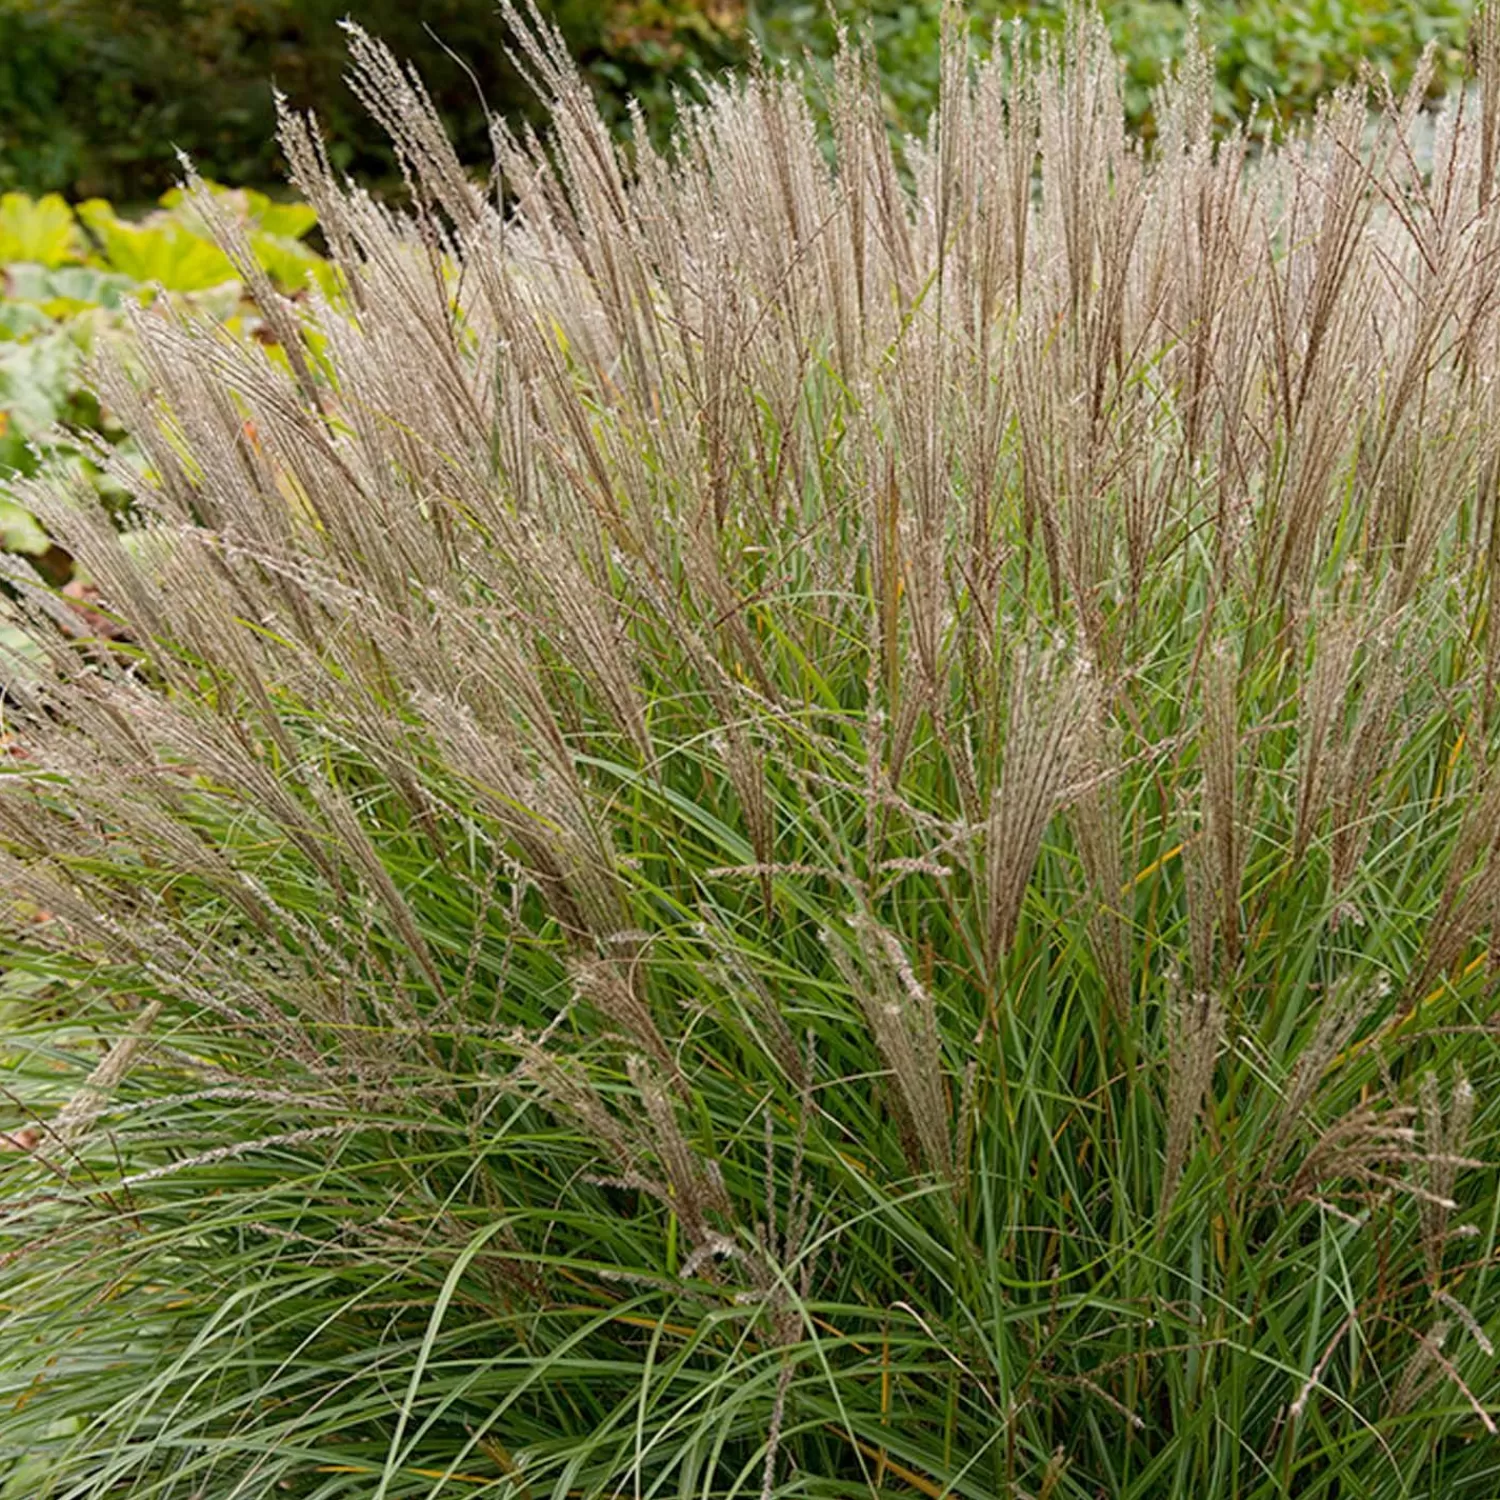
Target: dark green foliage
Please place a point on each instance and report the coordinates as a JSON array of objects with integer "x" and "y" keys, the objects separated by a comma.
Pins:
[{"x": 96, "y": 95}]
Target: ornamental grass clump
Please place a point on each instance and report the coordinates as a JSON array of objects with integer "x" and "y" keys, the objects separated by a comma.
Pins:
[{"x": 759, "y": 822}]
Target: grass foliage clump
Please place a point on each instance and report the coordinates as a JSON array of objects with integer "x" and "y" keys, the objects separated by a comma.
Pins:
[{"x": 760, "y": 826}]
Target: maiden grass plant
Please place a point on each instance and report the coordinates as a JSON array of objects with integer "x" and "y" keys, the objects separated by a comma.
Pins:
[{"x": 773, "y": 828}]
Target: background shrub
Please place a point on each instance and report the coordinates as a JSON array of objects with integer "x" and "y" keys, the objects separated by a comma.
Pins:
[
  {"x": 95, "y": 94},
  {"x": 1280, "y": 57}
]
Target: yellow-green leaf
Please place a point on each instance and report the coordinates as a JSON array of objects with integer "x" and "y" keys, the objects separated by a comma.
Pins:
[{"x": 38, "y": 229}]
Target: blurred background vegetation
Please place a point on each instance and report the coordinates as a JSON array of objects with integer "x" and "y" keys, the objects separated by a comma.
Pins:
[{"x": 96, "y": 94}]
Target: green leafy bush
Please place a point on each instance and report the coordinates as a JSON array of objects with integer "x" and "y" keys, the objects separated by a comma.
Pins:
[
  {"x": 96, "y": 96},
  {"x": 1289, "y": 56},
  {"x": 1277, "y": 57},
  {"x": 771, "y": 827}
]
